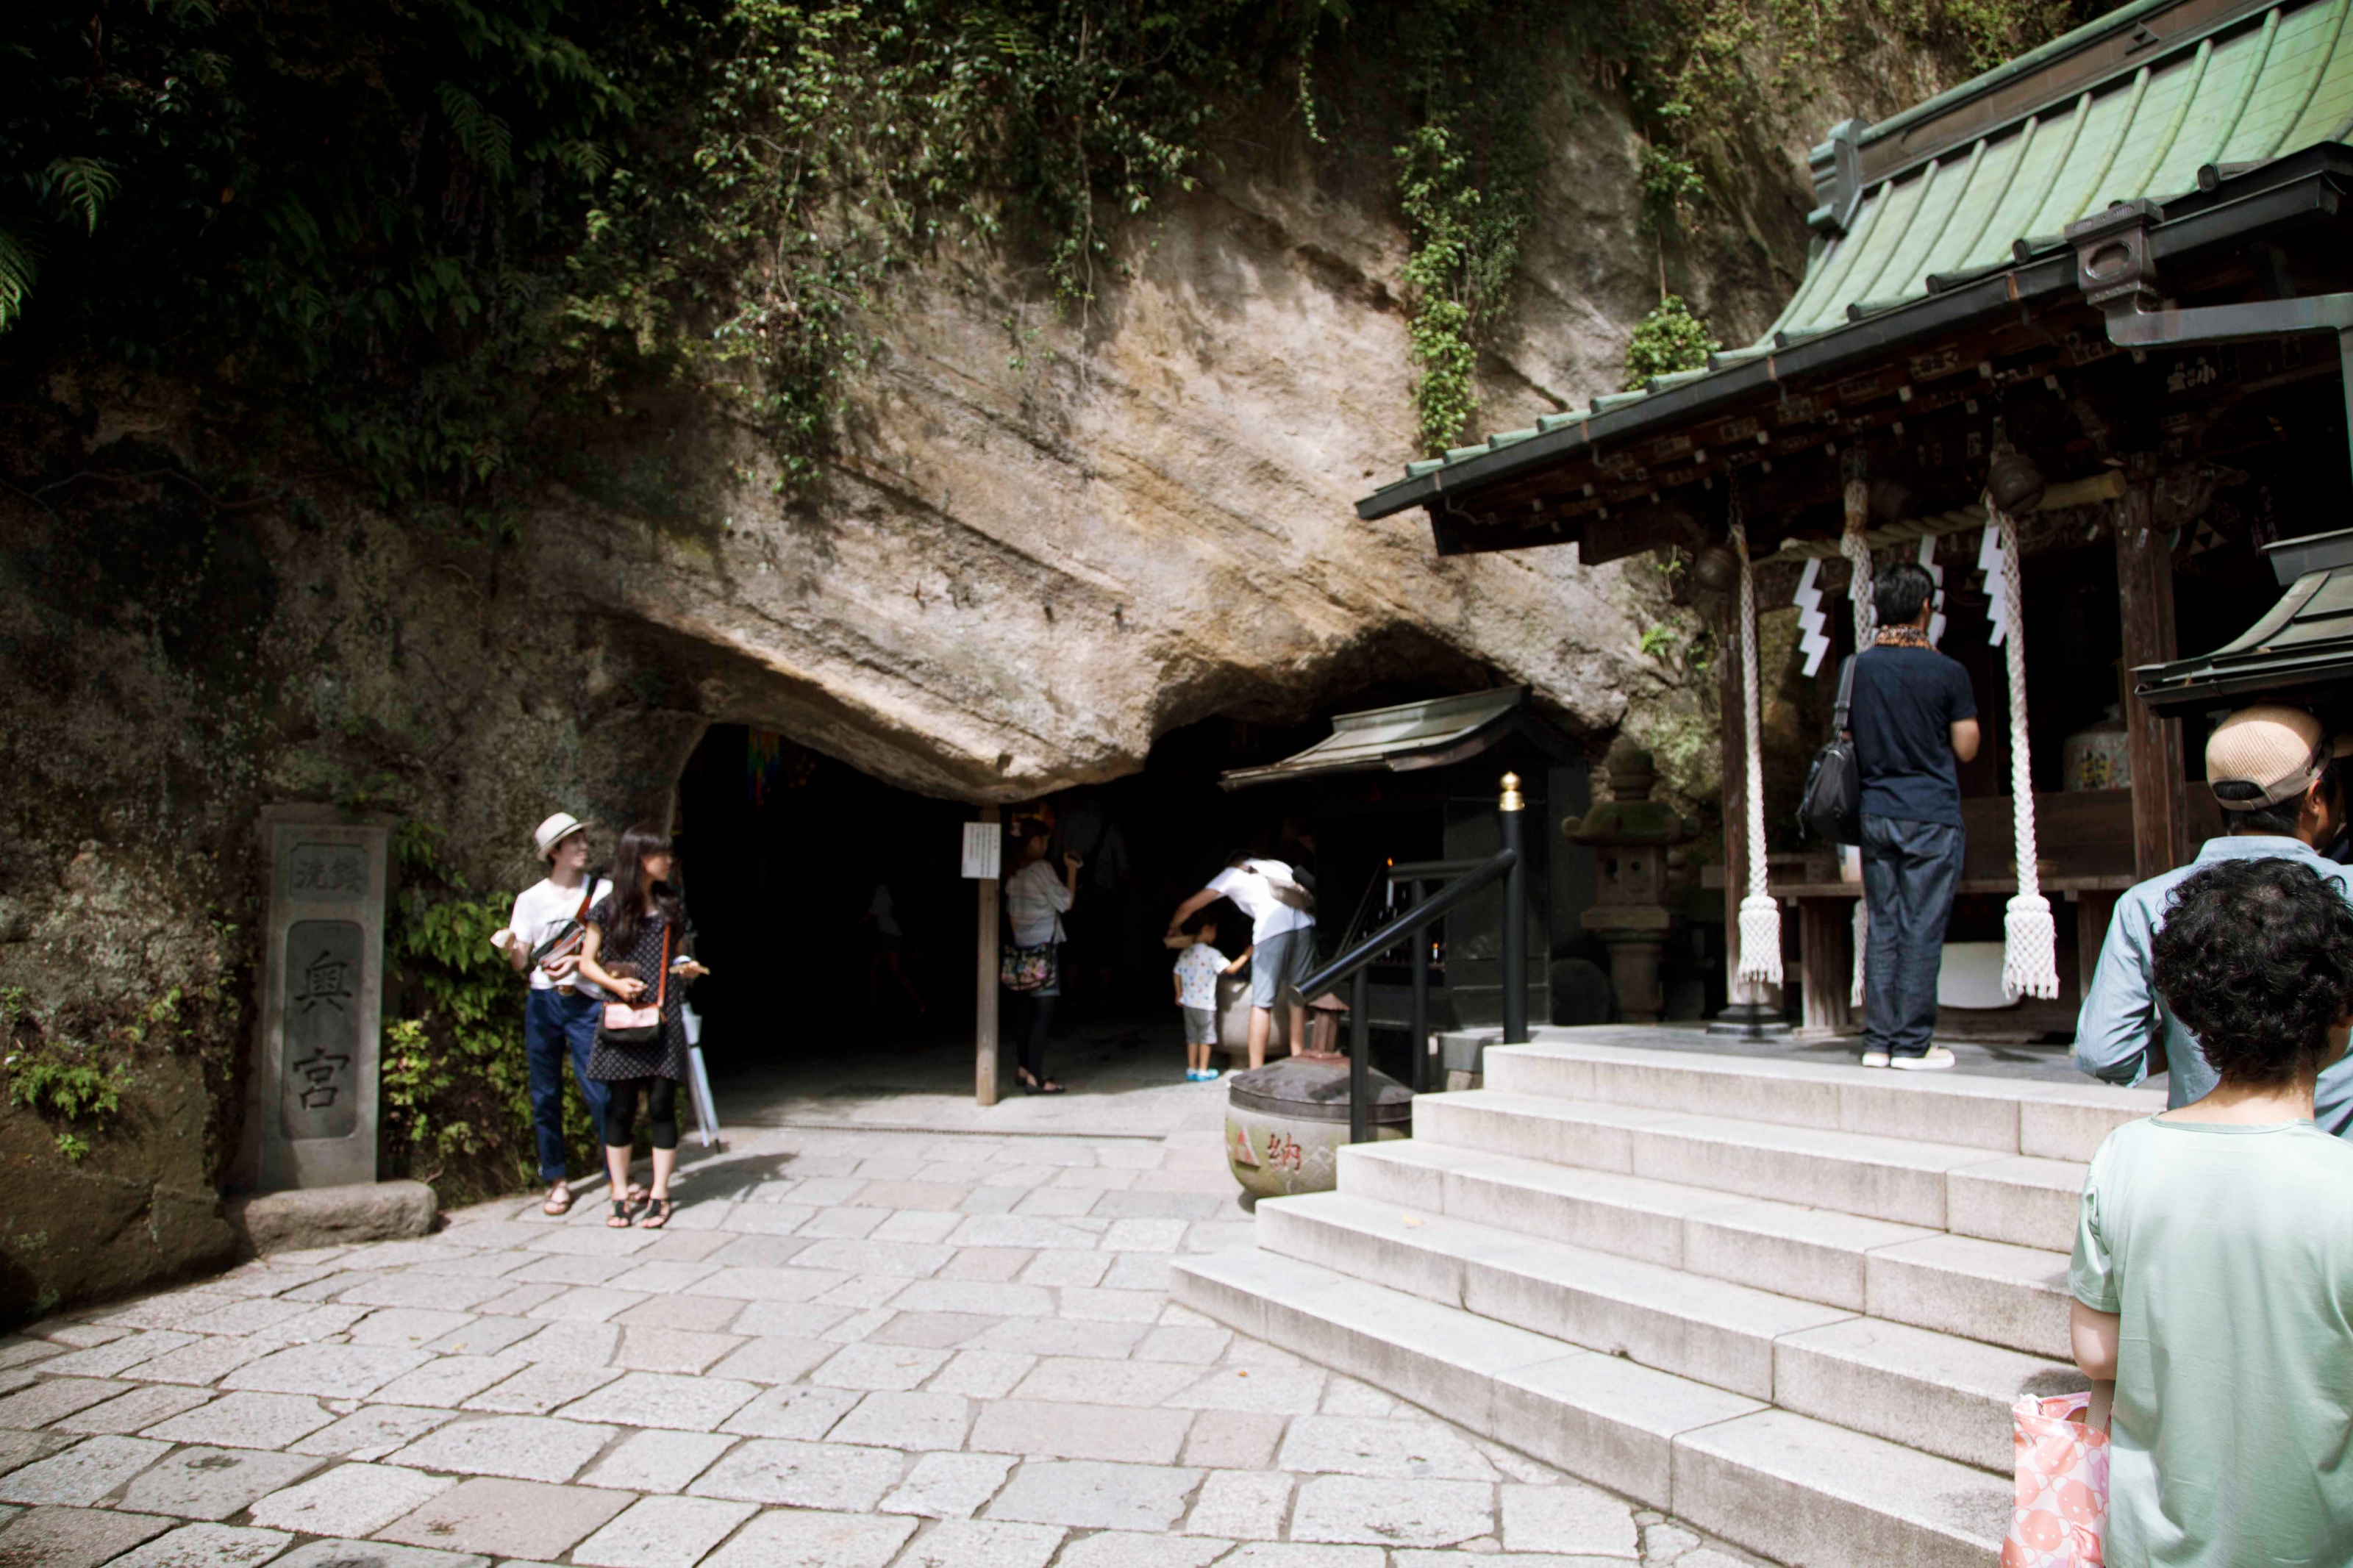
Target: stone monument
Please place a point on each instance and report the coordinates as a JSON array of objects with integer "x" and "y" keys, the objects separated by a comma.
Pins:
[{"x": 312, "y": 1118}]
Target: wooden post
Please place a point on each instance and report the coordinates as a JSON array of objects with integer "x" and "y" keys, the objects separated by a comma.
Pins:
[
  {"x": 2092, "y": 914},
  {"x": 1825, "y": 934},
  {"x": 984, "y": 1071},
  {"x": 2145, "y": 588}
]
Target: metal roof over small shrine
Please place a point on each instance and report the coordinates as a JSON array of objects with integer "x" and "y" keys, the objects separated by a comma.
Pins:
[
  {"x": 2303, "y": 641},
  {"x": 1936, "y": 213},
  {"x": 1413, "y": 735}
]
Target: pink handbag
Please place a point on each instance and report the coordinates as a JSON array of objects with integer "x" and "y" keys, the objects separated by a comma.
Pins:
[
  {"x": 2060, "y": 1518},
  {"x": 629, "y": 1024}
]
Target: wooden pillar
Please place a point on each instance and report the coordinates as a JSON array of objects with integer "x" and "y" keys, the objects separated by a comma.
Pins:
[
  {"x": 2145, "y": 589},
  {"x": 2092, "y": 914},
  {"x": 1825, "y": 940},
  {"x": 984, "y": 1074}
]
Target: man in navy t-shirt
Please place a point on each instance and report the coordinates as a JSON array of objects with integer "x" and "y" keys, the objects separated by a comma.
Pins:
[{"x": 1912, "y": 714}]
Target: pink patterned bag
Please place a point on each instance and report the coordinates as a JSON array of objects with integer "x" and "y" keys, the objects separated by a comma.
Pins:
[{"x": 2062, "y": 1515}]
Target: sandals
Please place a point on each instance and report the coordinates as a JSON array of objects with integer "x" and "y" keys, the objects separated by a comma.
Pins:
[
  {"x": 559, "y": 1200},
  {"x": 657, "y": 1212},
  {"x": 619, "y": 1218}
]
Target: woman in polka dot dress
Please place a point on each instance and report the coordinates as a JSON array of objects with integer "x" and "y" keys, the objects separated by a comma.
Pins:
[{"x": 634, "y": 949}]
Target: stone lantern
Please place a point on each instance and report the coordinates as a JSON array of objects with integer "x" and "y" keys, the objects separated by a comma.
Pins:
[{"x": 1629, "y": 834}]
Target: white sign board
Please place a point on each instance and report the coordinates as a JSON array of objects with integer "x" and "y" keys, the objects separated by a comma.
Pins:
[{"x": 984, "y": 844}]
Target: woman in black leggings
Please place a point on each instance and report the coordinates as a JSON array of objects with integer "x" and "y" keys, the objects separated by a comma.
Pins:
[{"x": 634, "y": 932}]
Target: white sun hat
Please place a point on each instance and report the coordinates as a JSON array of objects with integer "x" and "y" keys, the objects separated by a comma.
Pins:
[{"x": 555, "y": 831}]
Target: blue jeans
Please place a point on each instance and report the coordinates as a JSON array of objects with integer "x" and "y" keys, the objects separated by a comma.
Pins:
[
  {"x": 550, "y": 1022},
  {"x": 1909, "y": 872}
]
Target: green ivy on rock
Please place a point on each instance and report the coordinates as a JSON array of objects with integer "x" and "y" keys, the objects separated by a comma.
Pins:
[{"x": 1668, "y": 340}]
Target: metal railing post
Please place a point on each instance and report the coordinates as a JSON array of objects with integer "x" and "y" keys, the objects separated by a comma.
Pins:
[
  {"x": 1513, "y": 815},
  {"x": 1420, "y": 1017},
  {"x": 1360, "y": 1035}
]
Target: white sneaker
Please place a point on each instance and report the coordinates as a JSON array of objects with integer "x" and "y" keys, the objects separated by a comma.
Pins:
[
  {"x": 1936, "y": 1060},
  {"x": 1874, "y": 1058}
]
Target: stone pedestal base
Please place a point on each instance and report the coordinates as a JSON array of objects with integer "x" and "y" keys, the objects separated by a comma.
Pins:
[
  {"x": 330, "y": 1216},
  {"x": 1634, "y": 975},
  {"x": 1749, "y": 1021}
]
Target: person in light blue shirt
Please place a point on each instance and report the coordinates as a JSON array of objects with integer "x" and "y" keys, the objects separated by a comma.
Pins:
[{"x": 2269, "y": 768}]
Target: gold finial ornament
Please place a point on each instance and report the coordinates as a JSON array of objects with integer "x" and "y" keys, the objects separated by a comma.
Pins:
[{"x": 1512, "y": 801}]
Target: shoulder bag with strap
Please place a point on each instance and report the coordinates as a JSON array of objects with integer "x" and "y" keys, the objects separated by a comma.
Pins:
[
  {"x": 1831, "y": 808},
  {"x": 1287, "y": 891},
  {"x": 566, "y": 943},
  {"x": 1027, "y": 968},
  {"x": 629, "y": 1024},
  {"x": 1024, "y": 969}
]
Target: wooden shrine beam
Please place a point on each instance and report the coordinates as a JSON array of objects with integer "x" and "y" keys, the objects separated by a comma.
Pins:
[{"x": 1600, "y": 498}]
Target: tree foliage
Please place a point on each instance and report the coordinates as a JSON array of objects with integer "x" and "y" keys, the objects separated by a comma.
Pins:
[
  {"x": 428, "y": 239},
  {"x": 431, "y": 230}
]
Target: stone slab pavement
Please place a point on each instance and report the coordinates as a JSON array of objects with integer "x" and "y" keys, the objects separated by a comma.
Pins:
[{"x": 850, "y": 1349}]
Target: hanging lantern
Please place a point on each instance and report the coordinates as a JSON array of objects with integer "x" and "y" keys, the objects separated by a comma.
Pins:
[
  {"x": 1716, "y": 571},
  {"x": 2013, "y": 481}
]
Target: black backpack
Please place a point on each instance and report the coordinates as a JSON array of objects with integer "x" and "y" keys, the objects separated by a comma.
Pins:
[{"x": 1832, "y": 809}]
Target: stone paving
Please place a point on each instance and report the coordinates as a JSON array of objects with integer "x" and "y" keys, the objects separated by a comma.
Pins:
[{"x": 850, "y": 1350}]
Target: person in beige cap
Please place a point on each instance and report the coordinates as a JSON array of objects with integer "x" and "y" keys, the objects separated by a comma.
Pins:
[
  {"x": 2269, "y": 767},
  {"x": 543, "y": 940}
]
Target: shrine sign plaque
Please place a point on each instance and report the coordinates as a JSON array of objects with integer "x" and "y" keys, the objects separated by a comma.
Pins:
[{"x": 314, "y": 1100}]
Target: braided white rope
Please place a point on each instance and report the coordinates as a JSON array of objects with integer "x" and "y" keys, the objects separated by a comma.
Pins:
[
  {"x": 2030, "y": 959},
  {"x": 1856, "y": 548},
  {"x": 1760, "y": 917}
]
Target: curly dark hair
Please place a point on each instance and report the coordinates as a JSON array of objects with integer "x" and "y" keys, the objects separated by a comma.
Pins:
[{"x": 2257, "y": 957}]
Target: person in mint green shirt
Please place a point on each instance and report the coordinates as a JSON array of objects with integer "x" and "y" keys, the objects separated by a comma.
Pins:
[{"x": 2213, "y": 1268}]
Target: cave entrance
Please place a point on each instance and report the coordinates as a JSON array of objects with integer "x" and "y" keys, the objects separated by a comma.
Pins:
[{"x": 784, "y": 852}]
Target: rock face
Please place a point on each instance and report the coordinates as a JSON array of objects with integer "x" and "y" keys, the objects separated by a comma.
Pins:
[
  {"x": 1049, "y": 542},
  {"x": 1046, "y": 543}
]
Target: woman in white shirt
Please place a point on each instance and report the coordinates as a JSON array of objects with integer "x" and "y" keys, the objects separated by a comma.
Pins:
[{"x": 1035, "y": 901}]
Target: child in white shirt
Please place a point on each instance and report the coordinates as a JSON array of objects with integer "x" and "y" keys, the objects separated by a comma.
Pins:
[{"x": 1197, "y": 969}]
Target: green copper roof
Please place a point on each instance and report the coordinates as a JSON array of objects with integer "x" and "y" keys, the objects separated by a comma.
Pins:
[
  {"x": 2263, "y": 84},
  {"x": 2153, "y": 100}
]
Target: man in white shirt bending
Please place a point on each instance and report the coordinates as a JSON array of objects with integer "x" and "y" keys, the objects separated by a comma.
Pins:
[
  {"x": 1282, "y": 931},
  {"x": 543, "y": 940}
]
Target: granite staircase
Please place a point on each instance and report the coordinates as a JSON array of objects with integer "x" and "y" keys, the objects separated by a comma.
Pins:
[{"x": 1788, "y": 1302}]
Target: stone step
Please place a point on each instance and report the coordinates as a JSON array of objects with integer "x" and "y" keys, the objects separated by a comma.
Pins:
[
  {"x": 1978, "y": 1290},
  {"x": 1905, "y": 1181},
  {"x": 2010, "y": 1116},
  {"x": 1772, "y": 1482},
  {"x": 1705, "y": 1330},
  {"x": 1880, "y": 1378}
]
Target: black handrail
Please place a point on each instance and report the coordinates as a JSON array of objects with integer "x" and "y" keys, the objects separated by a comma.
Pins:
[
  {"x": 1353, "y": 964},
  {"x": 1455, "y": 895}
]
